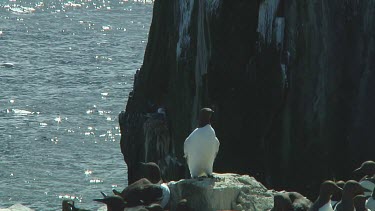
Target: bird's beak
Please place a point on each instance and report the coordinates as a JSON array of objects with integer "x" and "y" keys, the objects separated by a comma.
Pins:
[
  {"x": 116, "y": 192},
  {"x": 99, "y": 200},
  {"x": 339, "y": 189},
  {"x": 103, "y": 194},
  {"x": 358, "y": 170}
]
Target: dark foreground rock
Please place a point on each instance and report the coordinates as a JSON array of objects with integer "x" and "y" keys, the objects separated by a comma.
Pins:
[{"x": 223, "y": 192}]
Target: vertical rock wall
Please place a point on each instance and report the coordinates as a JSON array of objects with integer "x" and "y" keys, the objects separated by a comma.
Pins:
[{"x": 290, "y": 83}]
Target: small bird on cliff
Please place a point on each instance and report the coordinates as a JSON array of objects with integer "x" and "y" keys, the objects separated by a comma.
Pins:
[
  {"x": 323, "y": 202},
  {"x": 114, "y": 203},
  {"x": 336, "y": 196},
  {"x": 141, "y": 192},
  {"x": 367, "y": 172},
  {"x": 202, "y": 146},
  {"x": 299, "y": 202},
  {"x": 281, "y": 202},
  {"x": 151, "y": 171},
  {"x": 290, "y": 201},
  {"x": 351, "y": 189},
  {"x": 359, "y": 203},
  {"x": 68, "y": 205},
  {"x": 366, "y": 168}
]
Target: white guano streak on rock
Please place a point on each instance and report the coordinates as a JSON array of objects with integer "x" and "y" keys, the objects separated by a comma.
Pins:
[
  {"x": 212, "y": 6},
  {"x": 201, "y": 62},
  {"x": 267, "y": 13},
  {"x": 186, "y": 8},
  {"x": 224, "y": 192}
]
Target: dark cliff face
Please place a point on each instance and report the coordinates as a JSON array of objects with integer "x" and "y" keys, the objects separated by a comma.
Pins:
[{"x": 290, "y": 83}]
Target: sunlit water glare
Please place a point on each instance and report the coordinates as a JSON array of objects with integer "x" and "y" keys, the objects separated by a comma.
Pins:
[{"x": 66, "y": 69}]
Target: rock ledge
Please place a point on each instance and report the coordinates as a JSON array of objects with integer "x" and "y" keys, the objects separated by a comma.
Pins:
[{"x": 223, "y": 192}]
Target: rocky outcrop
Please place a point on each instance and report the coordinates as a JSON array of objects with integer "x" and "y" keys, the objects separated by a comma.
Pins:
[
  {"x": 223, "y": 192},
  {"x": 290, "y": 83},
  {"x": 16, "y": 207}
]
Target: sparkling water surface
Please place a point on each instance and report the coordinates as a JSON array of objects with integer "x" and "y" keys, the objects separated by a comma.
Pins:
[{"x": 66, "y": 69}]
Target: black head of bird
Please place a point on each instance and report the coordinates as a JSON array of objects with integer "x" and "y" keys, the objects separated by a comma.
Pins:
[
  {"x": 282, "y": 202},
  {"x": 366, "y": 168},
  {"x": 205, "y": 116},
  {"x": 150, "y": 171},
  {"x": 329, "y": 188},
  {"x": 340, "y": 183},
  {"x": 299, "y": 202},
  {"x": 68, "y": 205},
  {"x": 336, "y": 196},
  {"x": 352, "y": 188}
]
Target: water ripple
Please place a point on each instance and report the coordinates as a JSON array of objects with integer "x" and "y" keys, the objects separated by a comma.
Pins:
[{"x": 70, "y": 74}]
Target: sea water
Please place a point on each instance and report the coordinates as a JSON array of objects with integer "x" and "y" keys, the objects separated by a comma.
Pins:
[{"x": 66, "y": 70}]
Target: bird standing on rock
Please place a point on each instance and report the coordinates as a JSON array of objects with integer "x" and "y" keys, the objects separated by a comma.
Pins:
[
  {"x": 323, "y": 202},
  {"x": 151, "y": 171},
  {"x": 202, "y": 146},
  {"x": 141, "y": 192},
  {"x": 336, "y": 196},
  {"x": 366, "y": 168},
  {"x": 290, "y": 201},
  {"x": 114, "y": 203},
  {"x": 68, "y": 205},
  {"x": 359, "y": 203},
  {"x": 351, "y": 189},
  {"x": 367, "y": 172},
  {"x": 299, "y": 202},
  {"x": 281, "y": 202}
]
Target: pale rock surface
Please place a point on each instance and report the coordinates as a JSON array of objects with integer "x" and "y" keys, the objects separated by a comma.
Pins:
[
  {"x": 16, "y": 207},
  {"x": 223, "y": 192}
]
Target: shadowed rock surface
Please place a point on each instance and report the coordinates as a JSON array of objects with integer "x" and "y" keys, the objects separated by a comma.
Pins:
[{"x": 291, "y": 84}]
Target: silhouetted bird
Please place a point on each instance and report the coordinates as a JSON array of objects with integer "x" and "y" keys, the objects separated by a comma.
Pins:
[
  {"x": 336, "y": 196},
  {"x": 351, "y": 189},
  {"x": 323, "y": 202},
  {"x": 114, "y": 203},
  {"x": 281, "y": 202},
  {"x": 299, "y": 202},
  {"x": 290, "y": 201},
  {"x": 141, "y": 192},
  {"x": 68, "y": 205},
  {"x": 366, "y": 168},
  {"x": 150, "y": 171},
  {"x": 359, "y": 203},
  {"x": 367, "y": 173}
]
